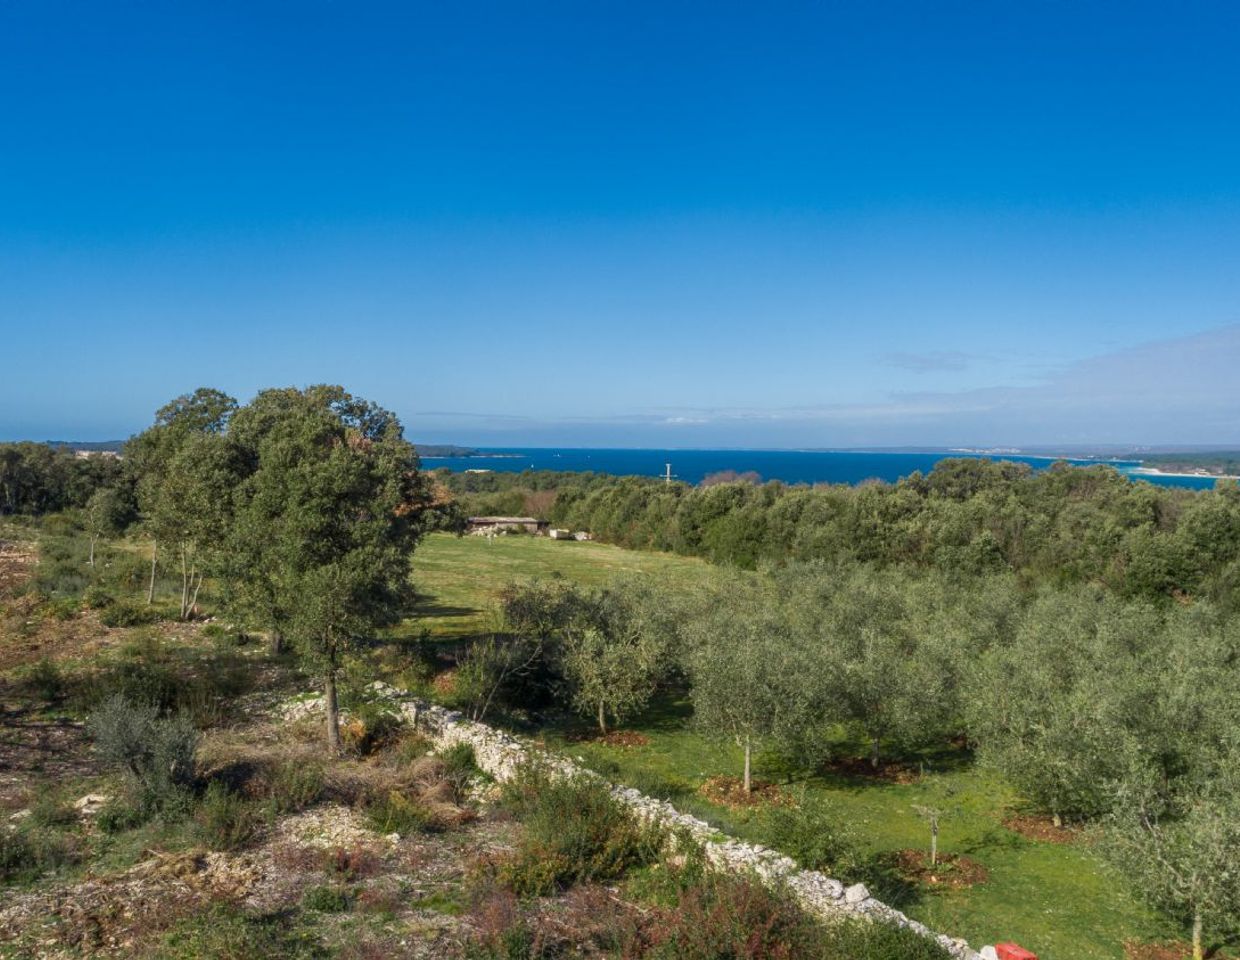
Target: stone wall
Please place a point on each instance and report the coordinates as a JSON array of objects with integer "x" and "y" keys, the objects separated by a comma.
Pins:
[{"x": 500, "y": 754}]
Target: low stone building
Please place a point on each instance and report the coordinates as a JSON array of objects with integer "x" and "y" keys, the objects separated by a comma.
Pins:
[{"x": 493, "y": 525}]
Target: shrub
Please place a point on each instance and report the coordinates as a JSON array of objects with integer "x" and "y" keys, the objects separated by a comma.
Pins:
[
  {"x": 45, "y": 680},
  {"x": 327, "y": 899},
  {"x": 140, "y": 681},
  {"x": 815, "y": 836},
  {"x": 28, "y": 852},
  {"x": 61, "y": 608},
  {"x": 396, "y": 813},
  {"x": 226, "y": 933},
  {"x": 98, "y": 597},
  {"x": 372, "y": 726},
  {"x": 575, "y": 831},
  {"x": 292, "y": 784},
  {"x": 737, "y": 917},
  {"x": 226, "y": 820},
  {"x": 157, "y": 754},
  {"x": 51, "y": 812},
  {"x": 128, "y": 613}
]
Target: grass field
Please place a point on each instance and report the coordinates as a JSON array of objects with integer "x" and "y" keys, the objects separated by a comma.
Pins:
[
  {"x": 459, "y": 578},
  {"x": 1054, "y": 898}
]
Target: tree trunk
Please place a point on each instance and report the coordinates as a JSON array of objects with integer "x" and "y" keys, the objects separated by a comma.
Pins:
[
  {"x": 748, "y": 755},
  {"x": 602, "y": 719},
  {"x": 934, "y": 843},
  {"x": 91, "y": 561},
  {"x": 874, "y": 753},
  {"x": 150, "y": 591},
  {"x": 1197, "y": 951},
  {"x": 193, "y": 601},
  {"x": 184, "y": 582},
  {"x": 333, "y": 711},
  {"x": 277, "y": 642},
  {"x": 1056, "y": 819}
]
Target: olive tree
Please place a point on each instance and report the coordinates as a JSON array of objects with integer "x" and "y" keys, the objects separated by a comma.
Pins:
[
  {"x": 610, "y": 657},
  {"x": 748, "y": 669},
  {"x": 1180, "y": 847},
  {"x": 879, "y": 668},
  {"x": 1056, "y": 707}
]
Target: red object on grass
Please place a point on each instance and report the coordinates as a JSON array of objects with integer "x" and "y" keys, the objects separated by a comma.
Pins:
[{"x": 1012, "y": 951}]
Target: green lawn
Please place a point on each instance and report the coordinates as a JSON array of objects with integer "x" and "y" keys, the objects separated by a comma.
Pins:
[
  {"x": 459, "y": 578},
  {"x": 1055, "y": 899}
]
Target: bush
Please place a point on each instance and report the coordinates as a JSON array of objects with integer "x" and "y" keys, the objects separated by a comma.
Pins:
[
  {"x": 141, "y": 682},
  {"x": 157, "y": 754},
  {"x": 372, "y": 726},
  {"x": 327, "y": 899},
  {"x": 128, "y": 613},
  {"x": 575, "y": 831},
  {"x": 293, "y": 784},
  {"x": 396, "y": 813},
  {"x": 28, "y": 852},
  {"x": 98, "y": 597},
  {"x": 735, "y": 917},
  {"x": 226, "y": 820},
  {"x": 815, "y": 836},
  {"x": 46, "y": 681},
  {"x": 226, "y": 933}
]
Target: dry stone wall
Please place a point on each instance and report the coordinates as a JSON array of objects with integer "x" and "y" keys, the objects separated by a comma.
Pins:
[{"x": 501, "y": 754}]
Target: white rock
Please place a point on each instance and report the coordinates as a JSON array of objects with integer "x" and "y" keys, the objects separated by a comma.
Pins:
[
  {"x": 856, "y": 893},
  {"x": 19, "y": 815},
  {"x": 988, "y": 953},
  {"x": 90, "y": 804}
]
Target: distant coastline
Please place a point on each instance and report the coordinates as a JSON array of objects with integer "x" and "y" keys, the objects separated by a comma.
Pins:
[{"x": 1192, "y": 474}]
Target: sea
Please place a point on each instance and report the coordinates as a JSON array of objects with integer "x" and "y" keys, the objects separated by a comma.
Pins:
[{"x": 789, "y": 466}]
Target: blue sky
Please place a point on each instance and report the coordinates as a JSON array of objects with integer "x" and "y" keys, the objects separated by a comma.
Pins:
[{"x": 629, "y": 224}]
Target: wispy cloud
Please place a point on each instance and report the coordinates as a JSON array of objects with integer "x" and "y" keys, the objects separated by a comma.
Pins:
[
  {"x": 1183, "y": 389},
  {"x": 933, "y": 361}
]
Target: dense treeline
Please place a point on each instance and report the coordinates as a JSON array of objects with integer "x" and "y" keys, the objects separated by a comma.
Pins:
[
  {"x": 968, "y": 516},
  {"x": 36, "y": 478}
]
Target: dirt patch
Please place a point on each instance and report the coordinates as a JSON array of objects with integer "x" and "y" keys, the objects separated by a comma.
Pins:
[
  {"x": 17, "y": 561},
  {"x": 1037, "y": 827},
  {"x": 34, "y": 750},
  {"x": 730, "y": 792},
  {"x": 859, "y": 768},
  {"x": 953, "y": 871},
  {"x": 1169, "y": 950}
]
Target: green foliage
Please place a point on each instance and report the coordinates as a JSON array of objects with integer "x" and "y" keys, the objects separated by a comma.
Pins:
[
  {"x": 327, "y": 899},
  {"x": 224, "y": 932},
  {"x": 128, "y": 613},
  {"x": 816, "y": 835},
  {"x": 46, "y": 680},
  {"x": 156, "y": 753},
  {"x": 575, "y": 831},
  {"x": 292, "y": 784},
  {"x": 32, "y": 850},
  {"x": 36, "y": 478},
  {"x": 1179, "y": 846},
  {"x": 394, "y": 812},
  {"x": 226, "y": 820}
]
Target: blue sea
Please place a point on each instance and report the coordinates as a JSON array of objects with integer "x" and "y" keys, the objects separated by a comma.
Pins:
[{"x": 790, "y": 466}]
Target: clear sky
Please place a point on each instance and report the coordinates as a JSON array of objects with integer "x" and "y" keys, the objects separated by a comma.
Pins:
[{"x": 629, "y": 223}]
